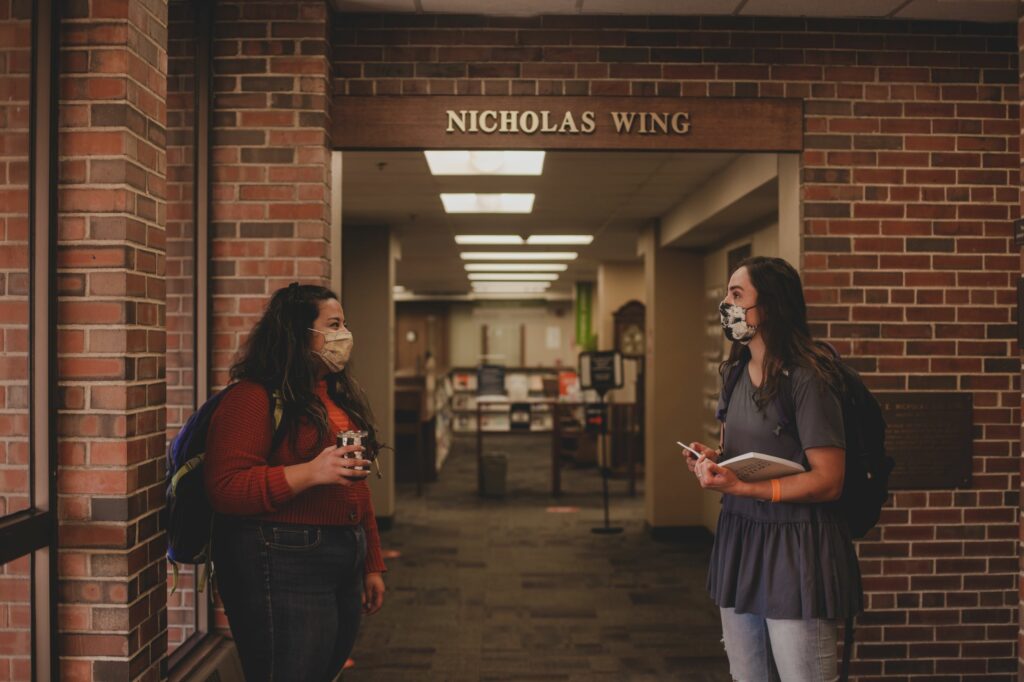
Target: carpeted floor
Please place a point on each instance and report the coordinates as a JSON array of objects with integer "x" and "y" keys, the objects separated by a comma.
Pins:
[{"x": 504, "y": 590}]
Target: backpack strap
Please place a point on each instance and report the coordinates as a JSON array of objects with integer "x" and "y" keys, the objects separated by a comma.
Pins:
[
  {"x": 276, "y": 417},
  {"x": 844, "y": 673},
  {"x": 731, "y": 378},
  {"x": 785, "y": 405}
]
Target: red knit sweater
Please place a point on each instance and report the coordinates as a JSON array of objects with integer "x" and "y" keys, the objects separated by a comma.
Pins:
[{"x": 244, "y": 478}]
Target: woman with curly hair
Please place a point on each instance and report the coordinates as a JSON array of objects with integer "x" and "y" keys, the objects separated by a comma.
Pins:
[{"x": 295, "y": 543}]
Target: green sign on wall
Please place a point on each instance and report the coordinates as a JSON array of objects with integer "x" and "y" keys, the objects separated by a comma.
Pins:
[{"x": 584, "y": 305}]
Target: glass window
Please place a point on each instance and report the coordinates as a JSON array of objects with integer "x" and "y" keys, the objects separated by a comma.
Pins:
[
  {"x": 16, "y": 620},
  {"x": 27, "y": 194},
  {"x": 186, "y": 614},
  {"x": 15, "y": 117}
]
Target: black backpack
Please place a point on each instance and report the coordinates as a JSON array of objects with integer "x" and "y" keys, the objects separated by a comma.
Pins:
[{"x": 866, "y": 481}]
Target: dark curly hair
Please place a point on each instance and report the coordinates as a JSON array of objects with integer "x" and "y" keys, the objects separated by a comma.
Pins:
[
  {"x": 784, "y": 329},
  {"x": 277, "y": 355}
]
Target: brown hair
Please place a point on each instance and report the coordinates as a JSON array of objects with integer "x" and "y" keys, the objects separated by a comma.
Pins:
[{"x": 783, "y": 328}]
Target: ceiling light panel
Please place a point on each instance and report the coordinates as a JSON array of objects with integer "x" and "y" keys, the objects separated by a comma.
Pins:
[
  {"x": 487, "y": 203},
  {"x": 511, "y": 286},
  {"x": 478, "y": 239},
  {"x": 516, "y": 267},
  {"x": 485, "y": 162},
  {"x": 560, "y": 239},
  {"x": 508, "y": 296},
  {"x": 514, "y": 276},
  {"x": 518, "y": 255}
]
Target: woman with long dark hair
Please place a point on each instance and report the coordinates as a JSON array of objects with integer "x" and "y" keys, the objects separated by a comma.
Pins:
[
  {"x": 783, "y": 570},
  {"x": 295, "y": 543}
]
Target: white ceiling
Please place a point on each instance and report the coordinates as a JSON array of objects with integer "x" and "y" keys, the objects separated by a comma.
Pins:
[
  {"x": 954, "y": 10},
  {"x": 611, "y": 195}
]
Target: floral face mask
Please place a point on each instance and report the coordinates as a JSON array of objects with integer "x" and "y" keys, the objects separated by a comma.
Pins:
[{"x": 734, "y": 323}]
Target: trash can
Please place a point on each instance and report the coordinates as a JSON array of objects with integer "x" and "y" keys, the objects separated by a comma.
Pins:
[{"x": 495, "y": 471}]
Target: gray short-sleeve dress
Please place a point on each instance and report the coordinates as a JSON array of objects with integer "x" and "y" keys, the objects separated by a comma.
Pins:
[{"x": 784, "y": 560}]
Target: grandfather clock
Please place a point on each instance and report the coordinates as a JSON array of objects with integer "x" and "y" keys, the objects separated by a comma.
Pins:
[
  {"x": 631, "y": 341},
  {"x": 630, "y": 336}
]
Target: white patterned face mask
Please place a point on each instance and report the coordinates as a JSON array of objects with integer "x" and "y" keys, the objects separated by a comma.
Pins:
[
  {"x": 734, "y": 323},
  {"x": 336, "y": 350}
]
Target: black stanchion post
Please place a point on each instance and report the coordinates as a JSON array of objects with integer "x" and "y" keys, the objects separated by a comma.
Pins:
[
  {"x": 605, "y": 459},
  {"x": 601, "y": 371}
]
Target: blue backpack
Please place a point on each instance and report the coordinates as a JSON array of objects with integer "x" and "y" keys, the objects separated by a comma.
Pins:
[{"x": 188, "y": 516}]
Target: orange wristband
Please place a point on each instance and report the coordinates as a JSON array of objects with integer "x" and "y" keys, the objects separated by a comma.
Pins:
[{"x": 776, "y": 490}]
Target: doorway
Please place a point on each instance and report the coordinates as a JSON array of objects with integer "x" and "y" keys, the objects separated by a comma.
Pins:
[
  {"x": 451, "y": 330},
  {"x": 526, "y": 317}
]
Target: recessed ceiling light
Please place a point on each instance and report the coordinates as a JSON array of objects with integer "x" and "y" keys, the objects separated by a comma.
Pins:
[
  {"x": 514, "y": 276},
  {"x": 518, "y": 255},
  {"x": 487, "y": 203},
  {"x": 561, "y": 239},
  {"x": 505, "y": 286},
  {"x": 485, "y": 162},
  {"x": 516, "y": 267},
  {"x": 508, "y": 295},
  {"x": 518, "y": 290},
  {"x": 509, "y": 239}
]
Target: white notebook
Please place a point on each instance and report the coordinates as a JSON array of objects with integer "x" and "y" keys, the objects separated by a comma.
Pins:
[{"x": 754, "y": 466}]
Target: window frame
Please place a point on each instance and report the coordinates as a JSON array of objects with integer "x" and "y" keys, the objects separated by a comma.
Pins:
[
  {"x": 33, "y": 532},
  {"x": 192, "y": 648}
]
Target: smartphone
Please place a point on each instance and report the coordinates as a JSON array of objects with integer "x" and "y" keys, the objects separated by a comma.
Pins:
[{"x": 696, "y": 455}]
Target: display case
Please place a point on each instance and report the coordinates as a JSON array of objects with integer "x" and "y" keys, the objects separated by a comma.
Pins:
[{"x": 524, "y": 405}]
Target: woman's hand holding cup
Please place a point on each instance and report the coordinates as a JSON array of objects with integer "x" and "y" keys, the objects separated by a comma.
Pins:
[{"x": 336, "y": 465}]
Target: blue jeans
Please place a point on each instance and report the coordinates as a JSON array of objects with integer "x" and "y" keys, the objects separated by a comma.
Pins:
[
  {"x": 293, "y": 595},
  {"x": 762, "y": 649}
]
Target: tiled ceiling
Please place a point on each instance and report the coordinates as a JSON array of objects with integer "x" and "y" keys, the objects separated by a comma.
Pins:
[
  {"x": 954, "y": 10},
  {"x": 611, "y": 195}
]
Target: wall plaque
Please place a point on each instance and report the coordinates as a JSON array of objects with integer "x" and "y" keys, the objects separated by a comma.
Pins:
[
  {"x": 1020, "y": 312},
  {"x": 597, "y": 123},
  {"x": 930, "y": 435}
]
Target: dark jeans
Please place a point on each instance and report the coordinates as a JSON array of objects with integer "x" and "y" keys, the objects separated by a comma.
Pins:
[{"x": 293, "y": 595}]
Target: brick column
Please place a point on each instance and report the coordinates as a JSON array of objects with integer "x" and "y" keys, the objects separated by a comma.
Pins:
[
  {"x": 111, "y": 339},
  {"x": 271, "y": 160}
]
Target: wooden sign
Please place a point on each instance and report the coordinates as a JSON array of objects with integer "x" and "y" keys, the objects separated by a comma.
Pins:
[
  {"x": 595, "y": 123},
  {"x": 930, "y": 436}
]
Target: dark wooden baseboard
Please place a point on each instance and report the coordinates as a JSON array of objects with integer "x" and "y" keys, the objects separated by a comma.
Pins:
[{"x": 687, "y": 534}]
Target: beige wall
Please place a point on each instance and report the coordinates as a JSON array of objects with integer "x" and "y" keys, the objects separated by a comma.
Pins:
[
  {"x": 617, "y": 284},
  {"x": 504, "y": 321},
  {"x": 368, "y": 278},
  {"x": 763, "y": 242},
  {"x": 674, "y": 286}
]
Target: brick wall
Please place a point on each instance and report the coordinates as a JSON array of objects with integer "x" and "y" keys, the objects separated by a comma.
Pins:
[
  {"x": 111, "y": 339},
  {"x": 271, "y": 161},
  {"x": 15, "y": 84},
  {"x": 910, "y": 183}
]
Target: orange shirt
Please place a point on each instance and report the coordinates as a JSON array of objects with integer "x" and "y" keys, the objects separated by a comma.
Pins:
[{"x": 336, "y": 416}]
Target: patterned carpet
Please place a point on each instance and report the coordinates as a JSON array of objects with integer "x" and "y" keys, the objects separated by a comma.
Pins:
[{"x": 500, "y": 589}]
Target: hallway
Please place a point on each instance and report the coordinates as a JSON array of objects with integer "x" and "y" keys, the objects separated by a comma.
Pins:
[{"x": 502, "y": 590}]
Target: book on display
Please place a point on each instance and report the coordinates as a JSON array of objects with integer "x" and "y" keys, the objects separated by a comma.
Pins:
[{"x": 755, "y": 466}]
